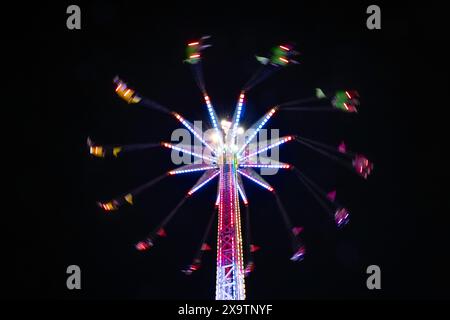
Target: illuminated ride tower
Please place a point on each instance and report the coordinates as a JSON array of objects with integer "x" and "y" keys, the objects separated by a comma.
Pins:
[{"x": 230, "y": 283}]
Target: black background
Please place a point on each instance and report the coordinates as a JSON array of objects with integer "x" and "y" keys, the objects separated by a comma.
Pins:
[{"x": 66, "y": 93}]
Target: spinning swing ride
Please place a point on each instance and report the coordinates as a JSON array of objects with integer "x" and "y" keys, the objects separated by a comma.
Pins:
[{"x": 230, "y": 155}]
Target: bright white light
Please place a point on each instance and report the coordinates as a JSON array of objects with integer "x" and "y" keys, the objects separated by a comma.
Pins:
[
  {"x": 240, "y": 130},
  {"x": 226, "y": 125},
  {"x": 215, "y": 137}
]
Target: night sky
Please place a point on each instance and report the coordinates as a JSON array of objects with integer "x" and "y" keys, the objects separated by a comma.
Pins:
[{"x": 67, "y": 94}]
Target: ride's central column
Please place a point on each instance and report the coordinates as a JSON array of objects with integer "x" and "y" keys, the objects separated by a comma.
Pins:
[{"x": 230, "y": 273}]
